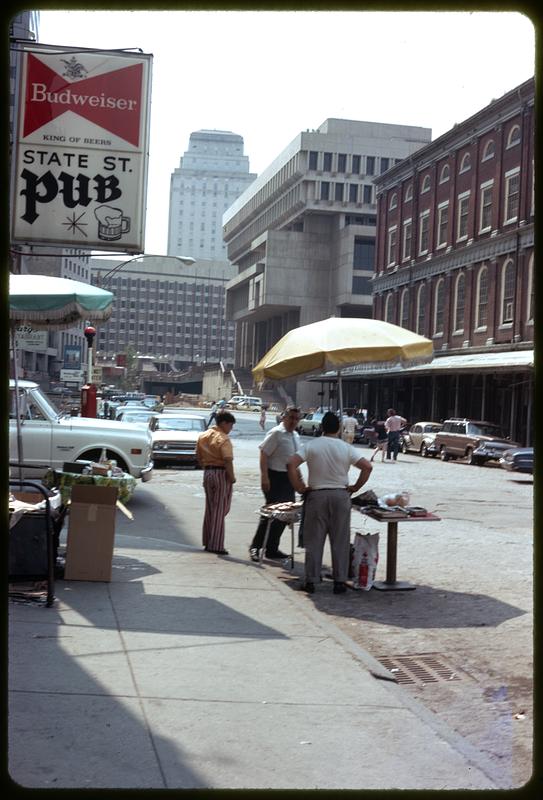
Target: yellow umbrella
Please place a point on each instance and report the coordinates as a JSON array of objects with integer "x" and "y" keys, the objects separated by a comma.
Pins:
[{"x": 340, "y": 342}]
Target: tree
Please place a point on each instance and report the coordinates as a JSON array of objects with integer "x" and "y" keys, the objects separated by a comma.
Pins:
[{"x": 130, "y": 382}]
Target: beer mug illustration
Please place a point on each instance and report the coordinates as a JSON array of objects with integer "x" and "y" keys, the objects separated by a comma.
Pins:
[{"x": 111, "y": 223}]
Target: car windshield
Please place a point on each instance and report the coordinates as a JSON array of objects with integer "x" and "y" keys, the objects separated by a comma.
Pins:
[
  {"x": 134, "y": 417},
  {"x": 38, "y": 398},
  {"x": 485, "y": 430},
  {"x": 432, "y": 428},
  {"x": 173, "y": 424}
]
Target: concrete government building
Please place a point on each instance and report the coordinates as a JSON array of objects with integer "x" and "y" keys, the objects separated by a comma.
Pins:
[{"x": 302, "y": 236}]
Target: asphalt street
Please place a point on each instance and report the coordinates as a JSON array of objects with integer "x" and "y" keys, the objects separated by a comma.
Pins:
[{"x": 471, "y": 611}]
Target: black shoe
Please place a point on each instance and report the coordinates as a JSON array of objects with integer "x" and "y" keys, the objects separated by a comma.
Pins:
[
  {"x": 308, "y": 587},
  {"x": 339, "y": 587},
  {"x": 277, "y": 554},
  {"x": 254, "y": 554},
  {"x": 219, "y": 552}
]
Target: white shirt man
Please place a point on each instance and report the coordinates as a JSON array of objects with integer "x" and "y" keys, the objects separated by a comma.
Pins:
[
  {"x": 279, "y": 444},
  {"x": 327, "y": 507},
  {"x": 393, "y": 425},
  {"x": 349, "y": 428}
]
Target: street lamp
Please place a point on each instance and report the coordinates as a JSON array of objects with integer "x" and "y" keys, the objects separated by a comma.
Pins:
[{"x": 185, "y": 260}]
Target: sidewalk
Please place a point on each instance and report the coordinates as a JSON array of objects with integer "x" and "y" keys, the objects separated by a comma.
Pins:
[{"x": 190, "y": 670}]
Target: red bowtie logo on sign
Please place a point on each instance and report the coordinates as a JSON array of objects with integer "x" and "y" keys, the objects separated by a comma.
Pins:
[{"x": 111, "y": 100}]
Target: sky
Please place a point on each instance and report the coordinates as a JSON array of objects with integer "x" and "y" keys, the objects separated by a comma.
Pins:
[{"x": 267, "y": 75}]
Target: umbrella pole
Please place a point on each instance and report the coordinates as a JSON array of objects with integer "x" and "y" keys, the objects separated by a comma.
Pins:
[
  {"x": 17, "y": 415},
  {"x": 340, "y": 393}
]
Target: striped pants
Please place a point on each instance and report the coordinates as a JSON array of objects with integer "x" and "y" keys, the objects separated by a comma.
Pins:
[{"x": 218, "y": 491}]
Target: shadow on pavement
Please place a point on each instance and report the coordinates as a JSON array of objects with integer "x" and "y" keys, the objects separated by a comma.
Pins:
[
  {"x": 136, "y": 608},
  {"x": 67, "y": 729},
  {"x": 426, "y": 607}
]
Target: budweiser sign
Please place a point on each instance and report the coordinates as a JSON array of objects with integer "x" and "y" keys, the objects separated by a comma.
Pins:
[{"x": 81, "y": 159}]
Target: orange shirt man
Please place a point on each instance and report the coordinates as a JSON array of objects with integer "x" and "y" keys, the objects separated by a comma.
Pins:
[{"x": 215, "y": 455}]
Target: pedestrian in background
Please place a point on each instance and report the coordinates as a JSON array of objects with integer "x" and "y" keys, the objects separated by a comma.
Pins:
[
  {"x": 213, "y": 414},
  {"x": 215, "y": 454},
  {"x": 262, "y": 420},
  {"x": 393, "y": 425},
  {"x": 327, "y": 506},
  {"x": 281, "y": 442},
  {"x": 348, "y": 427},
  {"x": 381, "y": 438}
]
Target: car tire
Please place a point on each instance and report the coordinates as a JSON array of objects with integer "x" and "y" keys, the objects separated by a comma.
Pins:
[
  {"x": 470, "y": 458},
  {"x": 444, "y": 456},
  {"x": 404, "y": 447},
  {"x": 424, "y": 450}
]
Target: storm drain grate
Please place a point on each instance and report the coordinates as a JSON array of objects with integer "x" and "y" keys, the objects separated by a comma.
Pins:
[{"x": 419, "y": 668}]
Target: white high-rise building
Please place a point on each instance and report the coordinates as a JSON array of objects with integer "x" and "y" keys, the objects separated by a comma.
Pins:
[{"x": 211, "y": 175}]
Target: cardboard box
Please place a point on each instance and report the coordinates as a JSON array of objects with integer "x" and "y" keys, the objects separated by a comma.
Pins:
[
  {"x": 35, "y": 498},
  {"x": 91, "y": 533}
]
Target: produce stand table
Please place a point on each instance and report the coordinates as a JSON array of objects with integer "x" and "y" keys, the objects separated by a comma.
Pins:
[
  {"x": 64, "y": 481},
  {"x": 290, "y": 516},
  {"x": 391, "y": 583}
]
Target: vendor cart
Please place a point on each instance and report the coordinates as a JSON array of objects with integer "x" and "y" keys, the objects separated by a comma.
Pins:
[
  {"x": 32, "y": 535},
  {"x": 289, "y": 512}
]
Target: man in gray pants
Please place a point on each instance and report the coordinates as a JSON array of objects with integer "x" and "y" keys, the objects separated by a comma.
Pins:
[{"x": 327, "y": 500}]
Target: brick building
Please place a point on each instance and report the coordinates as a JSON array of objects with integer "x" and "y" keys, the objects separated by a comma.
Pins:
[{"x": 455, "y": 263}]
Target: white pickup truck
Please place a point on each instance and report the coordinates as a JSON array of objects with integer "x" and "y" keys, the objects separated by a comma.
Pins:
[{"x": 50, "y": 438}]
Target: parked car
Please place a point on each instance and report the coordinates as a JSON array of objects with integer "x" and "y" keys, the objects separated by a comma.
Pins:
[
  {"x": 518, "y": 459},
  {"x": 250, "y": 404},
  {"x": 236, "y": 399},
  {"x": 175, "y": 437},
  {"x": 49, "y": 438},
  {"x": 475, "y": 440},
  {"x": 151, "y": 400},
  {"x": 135, "y": 416},
  {"x": 62, "y": 390},
  {"x": 420, "y": 438},
  {"x": 310, "y": 425},
  {"x": 131, "y": 404},
  {"x": 179, "y": 410}
]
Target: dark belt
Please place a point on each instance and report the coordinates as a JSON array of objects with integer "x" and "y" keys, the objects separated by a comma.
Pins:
[{"x": 214, "y": 467}]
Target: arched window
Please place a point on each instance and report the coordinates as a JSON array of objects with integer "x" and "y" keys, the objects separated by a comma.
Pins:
[
  {"x": 459, "y": 302},
  {"x": 408, "y": 193},
  {"x": 482, "y": 298},
  {"x": 421, "y": 309},
  {"x": 445, "y": 174},
  {"x": 389, "y": 308},
  {"x": 508, "y": 291},
  {"x": 514, "y": 136},
  {"x": 489, "y": 150},
  {"x": 465, "y": 164},
  {"x": 425, "y": 184},
  {"x": 530, "y": 303},
  {"x": 439, "y": 298},
  {"x": 404, "y": 309},
  {"x": 393, "y": 201}
]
